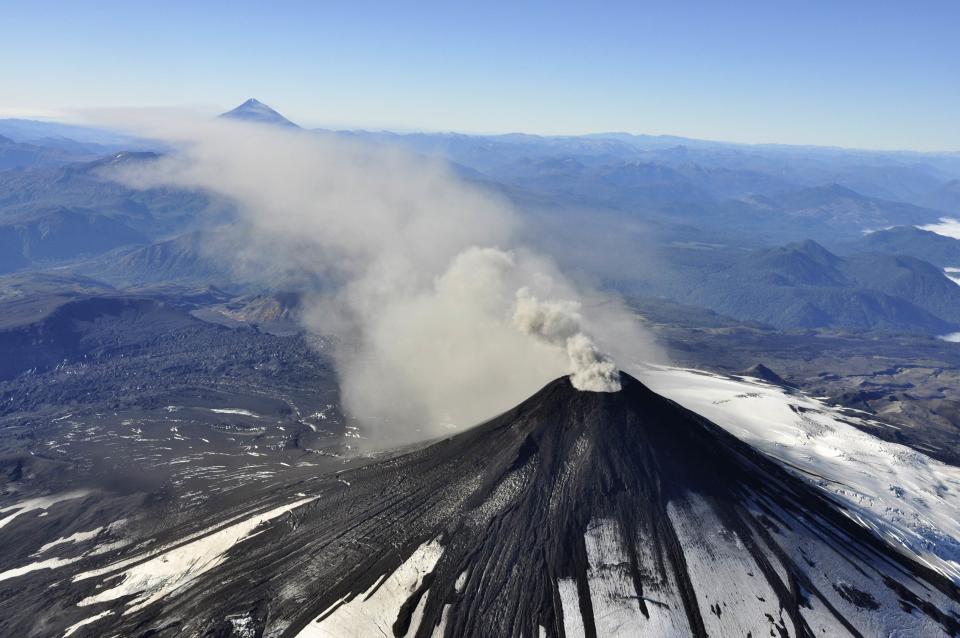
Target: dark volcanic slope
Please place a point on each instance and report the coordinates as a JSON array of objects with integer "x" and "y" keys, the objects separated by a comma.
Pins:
[{"x": 573, "y": 514}]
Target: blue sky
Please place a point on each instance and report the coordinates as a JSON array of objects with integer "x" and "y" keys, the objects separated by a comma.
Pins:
[{"x": 861, "y": 74}]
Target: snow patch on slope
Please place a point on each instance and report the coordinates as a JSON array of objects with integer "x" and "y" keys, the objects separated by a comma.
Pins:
[
  {"x": 715, "y": 558},
  {"x": 86, "y": 621},
  {"x": 570, "y": 604},
  {"x": 374, "y": 612},
  {"x": 953, "y": 274},
  {"x": 50, "y": 563},
  {"x": 164, "y": 573},
  {"x": 907, "y": 498},
  {"x": 616, "y": 609},
  {"x": 79, "y": 537},
  {"x": 39, "y": 503},
  {"x": 239, "y": 411},
  {"x": 82, "y": 537}
]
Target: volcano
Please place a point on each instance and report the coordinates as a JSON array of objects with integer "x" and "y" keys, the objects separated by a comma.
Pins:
[
  {"x": 256, "y": 111},
  {"x": 573, "y": 514}
]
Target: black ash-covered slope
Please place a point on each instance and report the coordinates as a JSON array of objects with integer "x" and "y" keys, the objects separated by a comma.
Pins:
[{"x": 575, "y": 513}]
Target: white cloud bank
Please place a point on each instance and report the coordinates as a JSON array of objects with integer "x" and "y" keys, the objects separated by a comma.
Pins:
[{"x": 947, "y": 226}]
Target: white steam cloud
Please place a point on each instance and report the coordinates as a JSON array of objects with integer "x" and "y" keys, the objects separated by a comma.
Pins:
[{"x": 436, "y": 316}]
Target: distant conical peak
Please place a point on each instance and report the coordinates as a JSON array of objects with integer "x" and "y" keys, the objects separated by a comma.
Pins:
[{"x": 253, "y": 110}]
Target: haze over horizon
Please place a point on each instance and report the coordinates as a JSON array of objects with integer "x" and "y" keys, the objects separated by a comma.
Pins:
[{"x": 820, "y": 74}]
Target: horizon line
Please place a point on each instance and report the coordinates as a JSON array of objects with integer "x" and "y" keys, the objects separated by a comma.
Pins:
[{"x": 53, "y": 116}]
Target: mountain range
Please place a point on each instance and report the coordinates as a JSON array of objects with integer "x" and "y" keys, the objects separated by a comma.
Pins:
[
  {"x": 937, "y": 249},
  {"x": 49, "y": 152},
  {"x": 714, "y": 208},
  {"x": 802, "y": 285}
]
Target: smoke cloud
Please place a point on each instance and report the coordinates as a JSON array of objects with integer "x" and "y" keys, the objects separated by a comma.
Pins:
[
  {"x": 559, "y": 323},
  {"x": 438, "y": 319}
]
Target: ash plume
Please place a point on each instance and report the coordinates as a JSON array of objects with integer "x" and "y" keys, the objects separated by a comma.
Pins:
[
  {"x": 558, "y": 322},
  {"x": 433, "y": 310}
]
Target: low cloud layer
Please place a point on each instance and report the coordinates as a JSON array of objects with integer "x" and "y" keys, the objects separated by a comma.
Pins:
[{"x": 438, "y": 318}]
